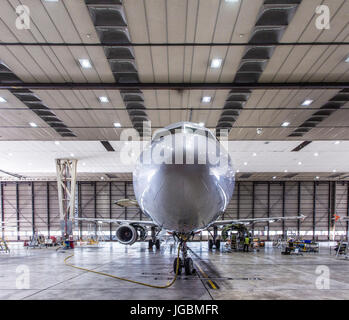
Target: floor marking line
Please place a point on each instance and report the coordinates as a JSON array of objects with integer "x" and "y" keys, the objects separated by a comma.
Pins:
[{"x": 206, "y": 276}]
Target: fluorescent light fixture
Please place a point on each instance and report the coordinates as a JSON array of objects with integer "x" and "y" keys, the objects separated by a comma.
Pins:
[
  {"x": 33, "y": 124},
  {"x": 72, "y": 154},
  {"x": 231, "y": 1},
  {"x": 237, "y": 171},
  {"x": 10, "y": 154},
  {"x": 56, "y": 143},
  {"x": 285, "y": 170},
  {"x": 334, "y": 170},
  {"x": 206, "y": 99},
  {"x": 337, "y": 142},
  {"x": 307, "y": 102},
  {"x": 84, "y": 163},
  {"x": 299, "y": 163},
  {"x": 347, "y": 60},
  {"x": 317, "y": 177},
  {"x": 274, "y": 177},
  {"x": 216, "y": 63},
  {"x": 285, "y": 124},
  {"x": 117, "y": 124},
  {"x": 2, "y": 99},
  {"x": 316, "y": 154},
  {"x": 201, "y": 124},
  {"x": 103, "y": 99},
  {"x": 245, "y": 163},
  {"x": 254, "y": 154},
  {"x": 102, "y": 178},
  {"x": 51, "y": 0},
  {"x": 85, "y": 63}
]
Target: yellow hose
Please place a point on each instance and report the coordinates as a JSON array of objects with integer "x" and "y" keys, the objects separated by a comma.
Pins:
[{"x": 128, "y": 280}]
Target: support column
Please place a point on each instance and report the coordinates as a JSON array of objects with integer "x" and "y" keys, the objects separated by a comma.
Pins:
[
  {"x": 299, "y": 207},
  {"x": 48, "y": 208},
  {"x": 110, "y": 211},
  {"x": 17, "y": 210},
  {"x": 283, "y": 208},
  {"x": 95, "y": 203},
  {"x": 238, "y": 204},
  {"x": 348, "y": 210},
  {"x": 314, "y": 209},
  {"x": 2, "y": 211},
  {"x": 268, "y": 212},
  {"x": 33, "y": 206},
  {"x": 66, "y": 186},
  {"x": 332, "y": 209},
  {"x": 253, "y": 204}
]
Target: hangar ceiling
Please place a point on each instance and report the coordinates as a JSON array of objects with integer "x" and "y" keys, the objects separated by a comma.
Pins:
[{"x": 174, "y": 42}]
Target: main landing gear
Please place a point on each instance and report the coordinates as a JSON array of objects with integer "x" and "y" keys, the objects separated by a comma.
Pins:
[
  {"x": 184, "y": 262},
  {"x": 214, "y": 242},
  {"x": 154, "y": 241}
]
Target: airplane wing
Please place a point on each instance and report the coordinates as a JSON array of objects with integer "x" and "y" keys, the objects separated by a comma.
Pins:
[
  {"x": 256, "y": 220},
  {"x": 118, "y": 221}
]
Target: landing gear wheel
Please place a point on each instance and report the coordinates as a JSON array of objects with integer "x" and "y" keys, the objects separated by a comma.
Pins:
[
  {"x": 157, "y": 244},
  {"x": 210, "y": 244},
  {"x": 150, "y": 244},
  {"x": 179, "y": 267},
  {"x": 218, "y": 244},
  {"x": 189, "y": 266}
]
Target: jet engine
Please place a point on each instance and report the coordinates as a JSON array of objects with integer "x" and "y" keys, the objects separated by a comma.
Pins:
[{"x": 126, "y": 234}]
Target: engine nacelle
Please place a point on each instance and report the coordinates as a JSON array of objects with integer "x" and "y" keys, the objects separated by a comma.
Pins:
[{"x": 126, "y": 234}]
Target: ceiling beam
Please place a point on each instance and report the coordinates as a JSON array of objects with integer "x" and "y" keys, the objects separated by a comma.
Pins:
[{"x": 176, "y": 86}]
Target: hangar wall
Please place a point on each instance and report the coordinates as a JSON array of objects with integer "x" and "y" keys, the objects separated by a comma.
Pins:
[{"x": 24, "y": 204}]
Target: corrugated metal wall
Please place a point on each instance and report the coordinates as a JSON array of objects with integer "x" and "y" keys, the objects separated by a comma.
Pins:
[{"x": 23, "y": 203}]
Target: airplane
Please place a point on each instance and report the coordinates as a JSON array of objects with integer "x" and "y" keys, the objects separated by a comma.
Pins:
[{"x": 183, "y": 181}]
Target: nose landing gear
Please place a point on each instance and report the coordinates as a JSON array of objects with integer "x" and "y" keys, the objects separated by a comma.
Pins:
[{"x": 184, "y": 262}]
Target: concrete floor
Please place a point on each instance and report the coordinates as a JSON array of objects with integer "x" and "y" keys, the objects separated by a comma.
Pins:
[{"x": 256, "y": 275}]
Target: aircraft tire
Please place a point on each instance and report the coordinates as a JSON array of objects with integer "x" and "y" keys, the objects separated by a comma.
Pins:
[
  {"x": 150, "y": 244},
  {"x": 179, "y": 267},
  {"x": 218, "y": 244},
  {"x": 188, "y": 266},
  {"x": 157, "y": 244},
  {"x": 210, "y": 244}
]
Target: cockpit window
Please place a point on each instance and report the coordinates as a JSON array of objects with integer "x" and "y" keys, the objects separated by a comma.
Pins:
[{"x": 185, "y": 129}]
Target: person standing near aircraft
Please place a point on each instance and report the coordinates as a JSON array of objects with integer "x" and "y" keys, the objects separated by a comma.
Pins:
[{"x": 246, "y": 243}]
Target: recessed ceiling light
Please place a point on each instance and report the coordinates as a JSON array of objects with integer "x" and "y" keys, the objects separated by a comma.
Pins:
[
  {"x": 103, "y": 99},
  {"x": 317, "y": 177},
  {"x": 51, "y": 0},
  {"x": 33, "y": 124},
  {"x": 10, "y": 154},
  {"x": 216, "y": 63},
  {"x": 57, "y": 143},
  {"x": 285, "y": 170},
  {"x": 72, "y": 154},
  {"x": 206, "y": 99},
  {"x": 117, "y": 124},
  {"x": 337, "y": 142},
  {"x": 274, "y": 177},
  {"x": 85, "y": 63},
  {"x": 231, "y": 0},
  {"x": 254, "y": 154},
  {"x": 102, "y": 178},
  {"x": 307, "y": 102},
  {"x": 245, "y": 163},
  {"x": 334, "y": 170},
  {"x": 316, "y": 154},
  {"x": 201, "y": 124},
  {"x": 2, "y": 99},
  {"x": 347, "y": 59},
  {"x": 237, "y": 170},
  {"x": 285, "y": 124},
  {"x": 299, "y": 163},
  {"x": 84, "y": 163}
]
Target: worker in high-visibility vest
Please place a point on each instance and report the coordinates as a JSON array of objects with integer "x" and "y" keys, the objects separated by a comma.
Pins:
[{"x": 246, "y": 243}]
